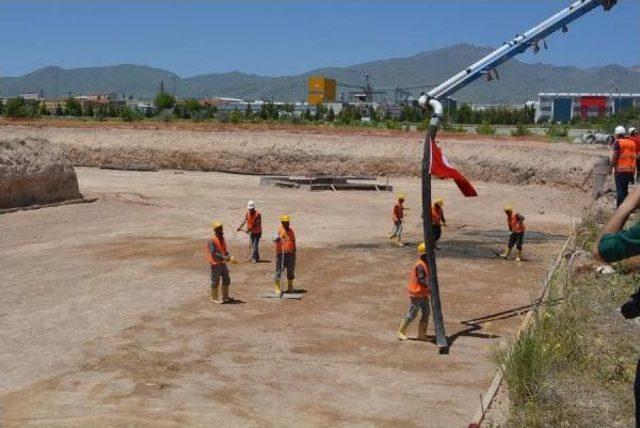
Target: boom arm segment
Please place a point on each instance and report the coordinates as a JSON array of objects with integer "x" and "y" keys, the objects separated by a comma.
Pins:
[{"x": 518, "y": 45}]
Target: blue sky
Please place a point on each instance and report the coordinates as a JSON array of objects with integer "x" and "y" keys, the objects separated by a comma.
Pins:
[{"x": 287, "y": 37}]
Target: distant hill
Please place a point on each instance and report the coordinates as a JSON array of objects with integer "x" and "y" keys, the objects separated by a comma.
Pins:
[{"x": 519, "y": 81}]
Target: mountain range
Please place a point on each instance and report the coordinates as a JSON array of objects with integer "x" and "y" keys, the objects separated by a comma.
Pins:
[{"x": 518, "y": 82}]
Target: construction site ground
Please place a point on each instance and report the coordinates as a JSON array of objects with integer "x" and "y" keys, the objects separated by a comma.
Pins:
[{"x": 106, "y": 318}]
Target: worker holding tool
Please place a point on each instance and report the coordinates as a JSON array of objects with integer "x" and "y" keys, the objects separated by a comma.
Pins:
[
  {"x": 398, "y": 218},
  {"x": 515, "y": 222},
  {"x": 253, "y": 220},
  {"x": 419, "y": 292},
  {"x": 219, "y": 257},
  {"x": 623, "y": 163},
  {"x": 285, "y": 254},
  {"x": 437, "y": 219}
]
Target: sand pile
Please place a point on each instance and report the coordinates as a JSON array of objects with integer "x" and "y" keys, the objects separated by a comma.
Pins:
[{"x": 34, "y": 171}]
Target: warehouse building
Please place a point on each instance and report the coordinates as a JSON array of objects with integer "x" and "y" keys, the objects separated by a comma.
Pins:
[{"x": 563, "y": 107}]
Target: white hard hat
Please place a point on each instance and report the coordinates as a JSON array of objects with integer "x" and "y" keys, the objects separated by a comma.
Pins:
[
  {"x": 251, "y": 205},
  {"x": 620, "y": 130},
  {"x": 632, "y": 130}
]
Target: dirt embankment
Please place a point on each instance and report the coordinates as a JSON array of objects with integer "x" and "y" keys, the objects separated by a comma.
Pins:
[
  {"x": 258, "y": 151},
  {"x": 34, "y": 171}
]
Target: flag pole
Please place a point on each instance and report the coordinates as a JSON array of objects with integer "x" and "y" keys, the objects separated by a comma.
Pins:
[{"x": 438, "y": 320}]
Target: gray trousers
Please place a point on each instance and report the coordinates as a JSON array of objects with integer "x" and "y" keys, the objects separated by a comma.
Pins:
[
  {"x": 397, "y": 229},
  {"x": 285, "y": 261},
  {"x": 220, "y": 271},
  {"x": 418, "y": 304}
]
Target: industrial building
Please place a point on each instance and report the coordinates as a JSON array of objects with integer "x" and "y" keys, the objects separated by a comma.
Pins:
[
  {"x": 321, "y": 90},
  {"x": 563, "y": 107}
]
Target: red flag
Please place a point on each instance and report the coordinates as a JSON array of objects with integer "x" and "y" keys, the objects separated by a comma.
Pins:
[{"x": 440, "y": 167}]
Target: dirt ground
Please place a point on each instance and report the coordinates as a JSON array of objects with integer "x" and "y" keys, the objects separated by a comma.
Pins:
[
  {"x": 292, "y": 150},
  {"x": 106, "y": 319}
]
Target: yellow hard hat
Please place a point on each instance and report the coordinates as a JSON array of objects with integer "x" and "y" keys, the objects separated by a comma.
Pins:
[
  {"x": 508, "y": 208},
  {"x": 284, "y": 218},
  {"x": 422, "y": 249},
  {"x": 439, "y": 201},
  {"x": 216, "y": 225},
  {"x": 401, "y": 196}
]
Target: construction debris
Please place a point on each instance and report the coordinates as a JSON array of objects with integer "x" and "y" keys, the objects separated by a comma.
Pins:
[{"x": 325, "y": 182}]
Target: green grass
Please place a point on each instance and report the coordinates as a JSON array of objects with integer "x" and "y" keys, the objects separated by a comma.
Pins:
[{"x": 575, "y": 365}]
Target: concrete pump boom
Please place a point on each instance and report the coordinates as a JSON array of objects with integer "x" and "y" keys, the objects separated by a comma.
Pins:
[
  {"x": 530, "y": 39},
  {"x": 522, "y": 42}
]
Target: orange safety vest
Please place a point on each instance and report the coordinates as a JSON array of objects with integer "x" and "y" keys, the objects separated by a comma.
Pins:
[
  {"x": 436, "y": 215},
  {"x": 254, "y": 222},
  {"x": 513, "y": 223},
  {"x": 414, "y": 287},
  {"x": 626, "y": 156},
  {"x": 398, "y": 212},
  {"x": 220, "y": 245},
  {"x": 287, "y": 241}
]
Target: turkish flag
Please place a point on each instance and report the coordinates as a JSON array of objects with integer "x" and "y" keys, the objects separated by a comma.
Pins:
[{"x": 440, "y": 167}]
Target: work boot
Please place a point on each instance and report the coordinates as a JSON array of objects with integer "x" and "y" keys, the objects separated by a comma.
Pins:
[
  {"x": 214, "y": 294},
  {"x": 519, "y": 256},
  {"x": 402, "y": 330},
  {"x": 225, "y": 294},
  {"x": 290, "y": 286},
  {"x": 506, "y": 254},
  {"x": 276, "y": 288},
  {"x": 422, "y": 330}
]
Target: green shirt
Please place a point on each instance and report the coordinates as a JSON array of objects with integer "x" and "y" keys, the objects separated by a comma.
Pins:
[{"x": 622, "y": 245}]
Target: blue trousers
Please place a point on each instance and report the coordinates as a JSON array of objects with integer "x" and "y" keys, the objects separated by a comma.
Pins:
[{"x": 254, "y": 240}]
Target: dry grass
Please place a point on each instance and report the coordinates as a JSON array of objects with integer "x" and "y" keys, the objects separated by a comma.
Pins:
[{"x": 575, "y": 366}]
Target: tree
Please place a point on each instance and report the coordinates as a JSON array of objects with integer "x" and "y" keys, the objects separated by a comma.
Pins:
[
  {"x": 16, "y": 108},
  {"x": 89, "y": 111},
  {"x": 164, "y": 101},
  {"x": 59, "y": 111},
  {"x": 248, "y": 113},
  {"x": 192, "y": 105},
  {"x": 43, "y": 109},
  {"x": 73, "y": 107},
  {"x": 1, "y": 107}
]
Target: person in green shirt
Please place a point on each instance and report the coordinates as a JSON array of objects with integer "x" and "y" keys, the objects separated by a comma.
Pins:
[{"x": 615, "y": 244}]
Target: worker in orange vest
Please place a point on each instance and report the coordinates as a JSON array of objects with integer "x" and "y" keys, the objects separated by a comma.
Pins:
[
  {"x": 285, "y": 254},
  {"x": 419, "y": 292},
  {"x": 437, "y": 219},
  {"x": 218, "y": 257},
  {"x": 398, "y": 219},
  {"x": 515, "y": 222},
  {"x": 253, "y": 220},
  {"x": 623, "y": 163}
]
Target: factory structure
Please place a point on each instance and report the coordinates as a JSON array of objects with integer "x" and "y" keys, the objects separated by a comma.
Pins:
[{"x": 564, "y": 107}]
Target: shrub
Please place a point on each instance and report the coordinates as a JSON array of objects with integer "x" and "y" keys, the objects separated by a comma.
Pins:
[
  {"x": 557, "y": 131},
  {"x": 164, "y": 101},
  {"x": 453, "y": 128},
  {"x": 520, "y": 131},
  {"x": 390, "y": 124},
  {"x": 486, "y": 129},
  {"x": 165, "y": 116},
  {"x": 129, "y": 115}
]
